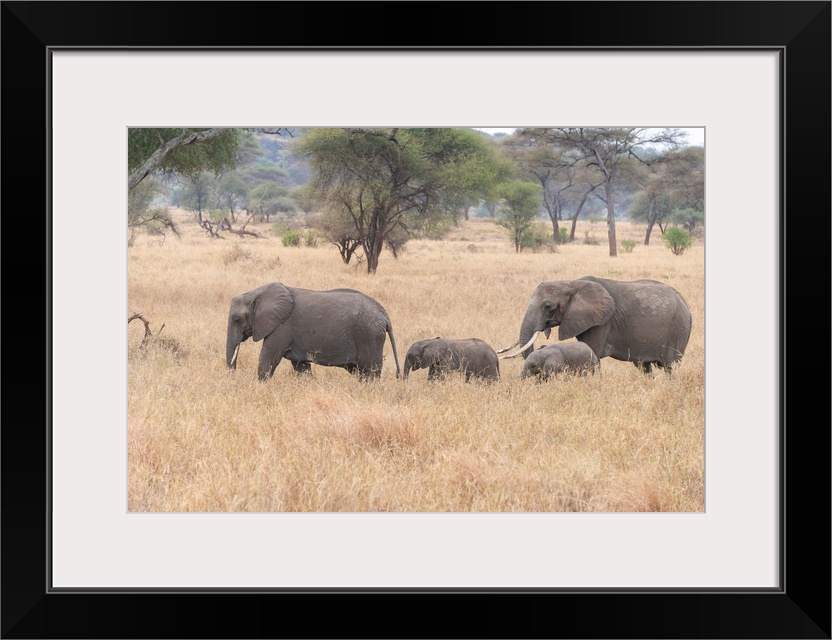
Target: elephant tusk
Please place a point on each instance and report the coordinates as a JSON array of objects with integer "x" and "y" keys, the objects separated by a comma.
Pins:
[
  {"x": 523, "y": 348},
  {"x": 234, "y": 357},
  {"x": 511, "y": 346}
]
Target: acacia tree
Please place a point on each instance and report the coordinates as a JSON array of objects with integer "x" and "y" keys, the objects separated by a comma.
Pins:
[
  {"x": 602, "y": 149},
  {"x": 230, "y": 192},
  {"x": 566, "y": 184},
  {"x": 391, "y": 183},
  {"x": 673, "y": 189},
  {"x": 186, "y": 151},
  {"x": 197, "y": 192},
  {"x": 521, "y": 205}
]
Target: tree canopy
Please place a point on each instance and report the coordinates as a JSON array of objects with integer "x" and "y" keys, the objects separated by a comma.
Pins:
[
  {"x": 185, "y": 151},
  {"x": 396, "y": 183},
  {"x": 602, "y": 149}
]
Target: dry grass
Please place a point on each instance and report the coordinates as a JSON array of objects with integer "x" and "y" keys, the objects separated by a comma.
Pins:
[{"x": 203, "y": 439}]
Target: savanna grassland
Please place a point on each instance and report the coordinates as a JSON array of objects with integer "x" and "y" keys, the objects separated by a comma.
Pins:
[{"x": 203, "y": 439}]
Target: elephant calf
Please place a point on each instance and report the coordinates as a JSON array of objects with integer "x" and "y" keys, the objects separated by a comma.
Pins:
[
  {"x": 563, "y": 357},
  {"x": 472, "y": 356}
]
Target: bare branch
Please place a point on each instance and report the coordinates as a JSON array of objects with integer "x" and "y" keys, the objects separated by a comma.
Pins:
[{"x": 147, "y": 332}]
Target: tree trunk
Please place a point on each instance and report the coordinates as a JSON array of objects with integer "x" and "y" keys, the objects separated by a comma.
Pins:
[
  {"x": 467, "y": 207},
  {"x": 552, "y": 210},
  {"x": 611, "y": 219},
  {"x": 649, "y": 231},
  {"x": 578, "y": 213},
  {"x": 651, "y": 218},
  {"x": 372, "y": 249}
]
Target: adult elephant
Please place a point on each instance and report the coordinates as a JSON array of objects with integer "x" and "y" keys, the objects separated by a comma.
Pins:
[
  {"x": 643, "y": 321},
  {"x": 336, "y": 328},
  {"x": 472, "y": 356}
]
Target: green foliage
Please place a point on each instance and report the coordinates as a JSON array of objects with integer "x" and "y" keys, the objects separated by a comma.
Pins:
[
  {"x": 291, "y": 238},
  {"x": 628, "y": 245},
  {"x": 521, "y": 205},
  {"x": 216, "y": 215},
  {"x": 564, "y": 235},
  {"x": 141, "y": 214},
  {"x": 311, "y": 238},
  {"x": 231, "y": 191},
  {"x": 215, "y": 155},
  {"x": 536, "y": 236},
  {"x": 688, "y": 217},
  {"x": 437, "y": 229},
  {"x": 271, "y": 199},
  {"x": 197, "y": 191},
  {"x": 677, "y": 240},
  {"x": 405, "y": 179}
]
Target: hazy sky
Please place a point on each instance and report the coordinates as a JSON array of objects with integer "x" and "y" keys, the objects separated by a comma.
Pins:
[{"x": 696, "y": 135}]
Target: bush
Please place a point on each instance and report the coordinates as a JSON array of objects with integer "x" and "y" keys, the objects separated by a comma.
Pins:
[
  {"x": 628, "y": 245},
  {"x": 535, "y": 237},
  {"x": 564, "y": 235},
  {"x": 590, "y": 239},
  {"x": 677, "y": 240},
  {"x": 291, "y": 239},
  {"x": 311, "y": 239},
  {"x": 236, "y": 254}
]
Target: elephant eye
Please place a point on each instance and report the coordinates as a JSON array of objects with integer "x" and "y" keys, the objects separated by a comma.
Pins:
[{"x": 547, "y": 305}]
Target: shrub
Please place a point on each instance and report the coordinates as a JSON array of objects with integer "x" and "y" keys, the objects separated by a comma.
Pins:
[
  {"x": 311, "y": 239},
  {"x": 236, "y": 254},
  {"x": 564, "y": 235},
  {"x": 535, "y": 237},
  {"x": 628, "y": 245},
  {"x": 590, "y": 240},
  {"x": 291, "y": 239},
  {"x": 677, "y": 240}
]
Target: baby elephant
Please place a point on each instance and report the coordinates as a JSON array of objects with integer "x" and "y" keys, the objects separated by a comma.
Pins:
[
  {"x": 472, "y": 356},
  {"x": 563, "y": 357}
]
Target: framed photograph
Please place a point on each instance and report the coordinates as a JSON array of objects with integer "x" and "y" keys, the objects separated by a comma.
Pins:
[{"x": 754, "y": 76}]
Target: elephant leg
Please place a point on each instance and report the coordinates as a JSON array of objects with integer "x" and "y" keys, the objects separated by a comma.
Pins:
[
  {"x": 365, "y": 372},
  {"x": 596, "y": 339},
  {"x": 302, "y": 367},
  {"x": 274, "y": 346},
  {"x": 644, "y": 367},
  {"x": 435, "y": 372},
  {"x": 266, "y": 365}
]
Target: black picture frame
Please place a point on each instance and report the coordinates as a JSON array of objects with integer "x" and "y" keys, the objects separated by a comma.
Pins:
[{"x": 800, "y": 608}]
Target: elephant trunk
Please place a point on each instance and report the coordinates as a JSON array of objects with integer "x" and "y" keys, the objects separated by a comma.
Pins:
[
  {"x": 408, "y": 365},
  {"x": 528, "y": 332},
  {"x": 232, "y": 348}
]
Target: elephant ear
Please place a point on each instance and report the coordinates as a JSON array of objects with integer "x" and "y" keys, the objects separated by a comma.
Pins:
[
  {"x": 589, "y": 306},
  {"x": 270, "y": 308}
]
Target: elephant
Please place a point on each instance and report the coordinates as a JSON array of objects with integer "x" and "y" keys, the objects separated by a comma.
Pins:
[
  {"x": 645, "y": 322},
  {"x": 563, "y": 357},
  {"x": 336, "y": 328},
  {"x": 474, "y": 357}
]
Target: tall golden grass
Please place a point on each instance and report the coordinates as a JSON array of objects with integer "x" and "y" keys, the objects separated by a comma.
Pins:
[{"x": 203, "y": 439}]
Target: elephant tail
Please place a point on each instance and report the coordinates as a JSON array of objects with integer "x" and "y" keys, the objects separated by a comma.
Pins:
[{"x": 393, "y": 345}]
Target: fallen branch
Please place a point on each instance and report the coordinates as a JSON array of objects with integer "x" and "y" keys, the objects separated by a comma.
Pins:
[
  {"x": 157, "y": 339},
  {"x": 225, "y": 225},
  {"x": 148, "y": 334},
  {"x": 210, "y": 229}
]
